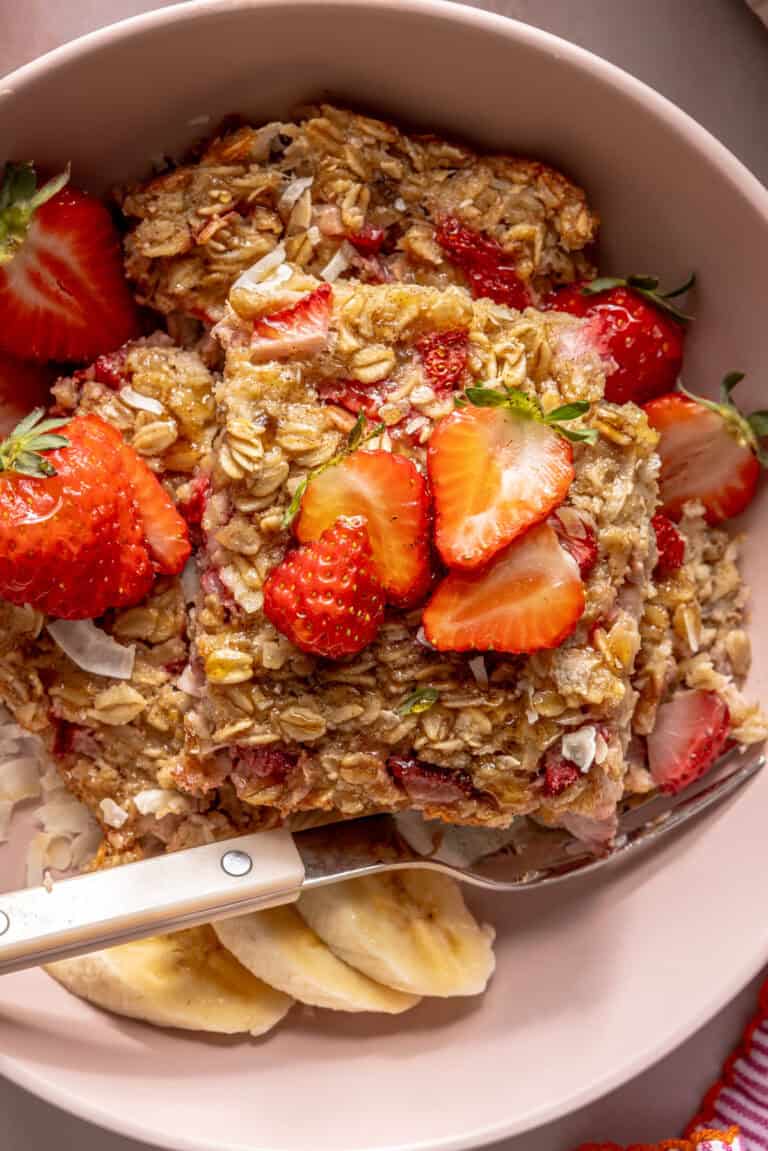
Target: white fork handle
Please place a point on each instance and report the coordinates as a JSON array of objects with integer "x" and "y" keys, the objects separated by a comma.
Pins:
[{"x": 181, "y": 889}]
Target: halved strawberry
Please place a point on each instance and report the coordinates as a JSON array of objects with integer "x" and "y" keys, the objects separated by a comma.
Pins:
[
  {"x": 495, "y": 472},
  {"x": 709, "y": 452},
  {"x": 490, "y": 270},
  {"x": 578, "y": 537},
  {"x": 529, "y": 597},
  {"x": 690, "y": 733},
  {"x": 670, "y": 545},
  {"x": 63, "y": 295},
  {"x": 301, "y": 330},
  {"x": 165, "y": 530},
  {"x": 23, "y": 386},
  {"x": 325, "y": 596},
  {"x": 391, "y": 493}
]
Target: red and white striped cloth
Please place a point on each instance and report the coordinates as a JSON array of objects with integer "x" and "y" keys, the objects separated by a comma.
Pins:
[{"x": 733, "y": 1115}]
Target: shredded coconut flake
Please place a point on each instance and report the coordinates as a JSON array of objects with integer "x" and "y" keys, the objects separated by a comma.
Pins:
[
  {"x": 160, "y": 801},
  {"x": 580, "y": 746},
  {"x": 338, "y": 263},
  {"x": 92, "y": 649},
  {"x": 113, "y": 815},
  {"x": 141, "y": 402},
  {"x": 690, "y": 631},
  {"x": 191, "y": 682},
  {"x": 293, "y": 192},
  {"x": 262, "y": 269},
  {"x": 479, "y": 671}
]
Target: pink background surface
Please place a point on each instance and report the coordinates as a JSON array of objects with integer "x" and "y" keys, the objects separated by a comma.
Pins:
[{"x": 711, "y": 57}]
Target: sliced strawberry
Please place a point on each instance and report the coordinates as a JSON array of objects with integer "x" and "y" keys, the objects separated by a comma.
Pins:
[
  {"x": 23, "y": 386},
  {"x": 301, "y": 330},
  {"x": 325, "y": 596},
  {"x": 706, "y": 454},
  {"x": 164, "y": 529},
  {"x": 368, "y": 240},
  {"x": 444, "y": 356},
  {"x": 690, "y": 733},
  {"x": 529, "y": 597},
  {"x": 391, "y": 494},
  {"x": 577, "y": 537},
  {"x": 494, "y": 474},
  {"x": 670, "y": 545},
  {"x": 490, "y": 270},
  {"x": 352, "y": 396},
  {"x": 63, "y": 295}
]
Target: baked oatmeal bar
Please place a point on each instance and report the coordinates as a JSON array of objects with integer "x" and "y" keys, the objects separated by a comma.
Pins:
[
  {"x": 299, "y": 732},
  {"x": 352, "y": 196}
]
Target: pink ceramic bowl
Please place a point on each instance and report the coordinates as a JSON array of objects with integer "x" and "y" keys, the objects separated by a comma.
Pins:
[{"x": 595, "y": 980}]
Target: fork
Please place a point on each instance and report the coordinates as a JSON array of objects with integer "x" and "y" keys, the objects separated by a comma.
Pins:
[{"x": 266, "y": 869}]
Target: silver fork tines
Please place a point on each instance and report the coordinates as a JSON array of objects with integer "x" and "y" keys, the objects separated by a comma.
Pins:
[{"x": 266, "y": 869}]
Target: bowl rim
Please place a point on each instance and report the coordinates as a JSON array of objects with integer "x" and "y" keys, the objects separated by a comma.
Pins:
[{"x": 744, "y": 183}]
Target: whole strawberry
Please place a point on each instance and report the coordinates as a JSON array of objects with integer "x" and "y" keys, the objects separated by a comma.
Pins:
[
  {"x": 63, "y": 295},
  {"x": 74, "y": 538},
  {"x": 325, "y": 596},
  {"x": 636, "y": 325}
]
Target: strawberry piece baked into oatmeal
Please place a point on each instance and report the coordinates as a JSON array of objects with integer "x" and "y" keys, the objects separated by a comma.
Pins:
[{"x": 453, "y": 543}]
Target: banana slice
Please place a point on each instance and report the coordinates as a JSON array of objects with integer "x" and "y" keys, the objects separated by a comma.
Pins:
[
  {"x": 182, "y": 980},
  {"x": 408, "y": 929},
  {"x": 278, "y": 947}
]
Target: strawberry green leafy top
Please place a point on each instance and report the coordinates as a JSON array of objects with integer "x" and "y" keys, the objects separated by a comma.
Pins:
[
  {"x": 20, "y": 198},
  {"x": 21, "y": 451}
]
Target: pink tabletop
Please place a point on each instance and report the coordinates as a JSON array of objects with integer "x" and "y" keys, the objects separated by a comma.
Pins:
[{"x": 712, "y": 59}]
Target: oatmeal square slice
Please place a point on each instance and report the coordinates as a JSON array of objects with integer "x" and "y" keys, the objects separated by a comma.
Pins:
[
  {"x": 353, "y": 196},
  {"x": 302, "y": 733},
  {"x": 119, "y": 743}
]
